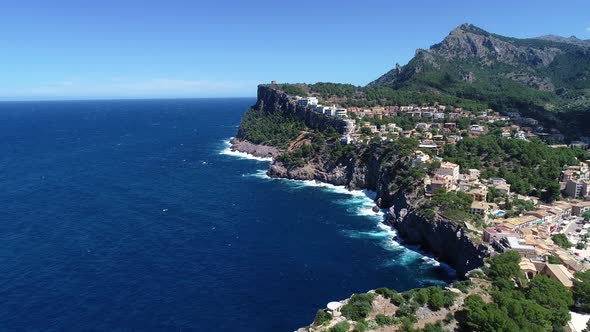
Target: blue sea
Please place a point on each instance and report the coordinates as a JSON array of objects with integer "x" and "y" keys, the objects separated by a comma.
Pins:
[{"x": 135, "y": 216}]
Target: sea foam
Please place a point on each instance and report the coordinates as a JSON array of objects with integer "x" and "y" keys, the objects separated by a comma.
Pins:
[{"x": 360, "y": 203}]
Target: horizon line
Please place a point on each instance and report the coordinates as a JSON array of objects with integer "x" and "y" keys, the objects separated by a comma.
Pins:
[{"x": 10, "y": 100}]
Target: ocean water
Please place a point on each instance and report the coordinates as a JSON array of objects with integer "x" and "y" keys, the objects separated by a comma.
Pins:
[{"x": 134, "y": 216}]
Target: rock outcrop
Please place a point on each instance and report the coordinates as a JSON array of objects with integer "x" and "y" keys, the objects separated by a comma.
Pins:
[
  {"x": 374, "y": 167},
  {"x": 448, "y": 240},
  {"x": 257, "y": 150}
]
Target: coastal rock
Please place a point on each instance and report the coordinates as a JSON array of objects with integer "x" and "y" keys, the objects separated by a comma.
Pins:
[
  {"x": 448, "y": 240},
  {"x": 256, "y": 150},
  {"x": 374, "y": 167}
]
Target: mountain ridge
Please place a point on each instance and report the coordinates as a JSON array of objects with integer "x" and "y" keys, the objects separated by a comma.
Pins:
[{"x": 534, "y": 76}]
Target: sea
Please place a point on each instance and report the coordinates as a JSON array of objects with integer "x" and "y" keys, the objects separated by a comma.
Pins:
[{"x": 134, "y": 215}]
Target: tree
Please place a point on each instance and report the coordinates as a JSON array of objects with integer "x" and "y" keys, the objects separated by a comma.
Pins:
[
  {"x": 504, "y": 268},
  {"x": 586, "y": 215},
  {"x": 366, "y": 131},
  {"x": 552, "y": 295},
  {"x": 358, "y": 307},
  {"x": 321, "y": 317},
  {"x": 551, "y": 193},
  {"x": 561, "y": 240},
  {"x": 581, "y": 290},
  {"x": 341, "y": 327}
]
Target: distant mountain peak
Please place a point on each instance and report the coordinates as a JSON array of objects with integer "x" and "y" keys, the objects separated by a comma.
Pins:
[
  {"x": 568, "y": 40},
  {"x": 468, "y": 28}
]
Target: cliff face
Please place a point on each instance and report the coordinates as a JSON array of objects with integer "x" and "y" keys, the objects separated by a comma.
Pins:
[
  {"x": 449, "y": 241},
  {"x": 273, "y": 100},
  {"x": 374, "y": 170},
  {"x": 374, "y": 167}
]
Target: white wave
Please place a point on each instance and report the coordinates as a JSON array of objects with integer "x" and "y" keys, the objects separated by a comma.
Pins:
[
  {"x": 242, "y": 155},
  {"x": 361, "y": 203},
  {"x": 261, "y": 174},
  {"x": 369, "y": 234}
]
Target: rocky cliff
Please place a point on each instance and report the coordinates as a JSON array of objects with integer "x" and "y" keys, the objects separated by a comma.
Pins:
[
  {"x": 377, "y": 167},
  {"x": 449, "y": 241},
  {"x": 376, "y": 170},
  {"x": 271, "y": 99}
]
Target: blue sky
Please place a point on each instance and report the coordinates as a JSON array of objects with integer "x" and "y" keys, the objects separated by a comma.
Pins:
[{"x": 175, "y": 48}]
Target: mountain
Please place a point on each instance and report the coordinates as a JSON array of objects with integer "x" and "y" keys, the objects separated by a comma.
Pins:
[{"x": 533, "y": 76}]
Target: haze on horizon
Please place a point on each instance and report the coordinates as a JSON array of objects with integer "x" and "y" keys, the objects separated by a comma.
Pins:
[{"x": 135, "y": 49}]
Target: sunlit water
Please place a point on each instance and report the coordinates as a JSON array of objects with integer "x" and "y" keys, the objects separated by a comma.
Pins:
[{"x": 134, "y": 215}]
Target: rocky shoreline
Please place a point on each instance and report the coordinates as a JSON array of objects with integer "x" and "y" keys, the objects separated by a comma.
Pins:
[
  {"x": 371, "y": 168},
  {"x": 257, "y": 150}
]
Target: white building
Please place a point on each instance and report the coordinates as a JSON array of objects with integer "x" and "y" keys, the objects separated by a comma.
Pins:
[
  {"x": 449, "y": 169},
  {"x": 309, "y": 101},
  {"x": 340, "y": 112}
]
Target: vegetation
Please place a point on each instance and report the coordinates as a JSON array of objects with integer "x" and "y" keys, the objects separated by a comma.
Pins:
[
  {"x": 581, "y": 290},
  {"x": 454, "y": 205},
  {"x": 358, "y": 307},
  {"x": 541, "y": 305},
  {"x": 523, "y": 85},
  {"x": 383, "y": 320},
  {"x": 340, "y": 327},
  {"x": 463, "y": 285},
  {"x": 369, "y": 96},
  {"x": 390, "y": 294},
  {"x": 276, "y": 128},
  {"x": 553, "y": 259},
  {"x": 529, "y": 167},
  {"x": 300, "y": 90},
  {"x": 561, "y": 240},
  {"x": 321, "y": 317}
]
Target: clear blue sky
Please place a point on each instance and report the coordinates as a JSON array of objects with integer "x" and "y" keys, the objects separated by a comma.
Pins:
[{"x": 175, "y": 48}]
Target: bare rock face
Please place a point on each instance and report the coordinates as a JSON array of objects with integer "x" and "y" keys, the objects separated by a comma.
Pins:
[
  {"x": 257, "y": 150},
  {"x": 448, "y": 240},
  {"x": 468, "y": 41}
]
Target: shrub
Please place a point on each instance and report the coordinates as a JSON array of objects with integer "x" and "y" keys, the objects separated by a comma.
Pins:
[
  {"x": 561, "y": 240},
  {"x": 390, "y": 294},
  {"x": 340, "y": 327},
  {"x": 463, "y": 286},
  {"x": 361, "y": 326},
  {"x": 406, "y": 309},
  {"x": 321, "y": 317},
  {"x": 438, "y": 327},
  {"x": 383, "y": 320},
  {"x": 358, "y": 307},
  {"x": 553, "y": 259},
  {"x": 581, "y": 290}
]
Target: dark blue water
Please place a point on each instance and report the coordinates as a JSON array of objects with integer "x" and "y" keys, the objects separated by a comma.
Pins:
[{"x": 124, "y": 215}]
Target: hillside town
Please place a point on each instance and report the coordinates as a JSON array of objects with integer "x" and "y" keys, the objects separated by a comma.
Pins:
[{"x": 530, "y": 231}]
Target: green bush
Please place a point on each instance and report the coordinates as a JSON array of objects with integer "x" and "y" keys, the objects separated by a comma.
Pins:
[
  {"x": 390, "y": 294},
  {"x": 340, "y": 327},
  {"x": 438, "y": 327},
  {"x": 358, "y": 307},
  {"x": 406, "y": 309},
  {"x": 561, "y": 240},
  {"x": 463, "y": 285},
  {"x": 383, "y": 320},
  {"x": 276, "y": 129},
  {"x": 321, "y": 317},
  {"x": 360, "y": 326},
  {"x": 581, "y": 290},
  {"x": 553, "y": 259}
]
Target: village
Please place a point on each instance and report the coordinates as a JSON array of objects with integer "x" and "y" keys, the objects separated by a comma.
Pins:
[{"x": 551, "y": 237}]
